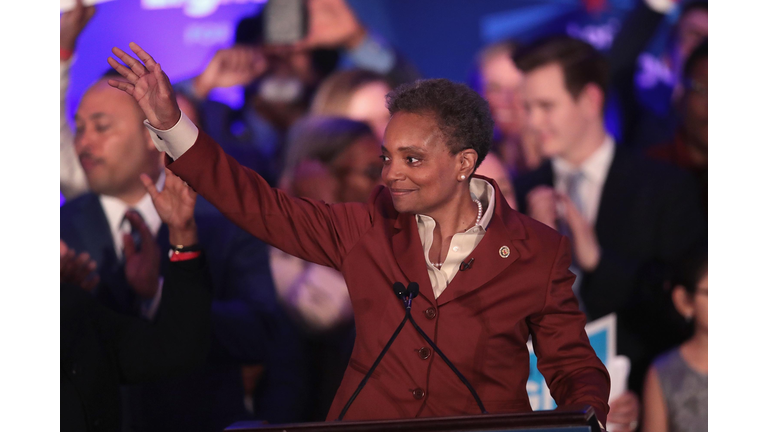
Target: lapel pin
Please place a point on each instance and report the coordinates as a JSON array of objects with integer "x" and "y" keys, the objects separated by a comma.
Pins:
[{"x": 504, "y": 252}]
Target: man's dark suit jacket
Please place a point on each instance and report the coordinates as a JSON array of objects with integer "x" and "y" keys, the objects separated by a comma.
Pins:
[
  {"x": 101, "y": 349},
  {"x": 648, "y": 218},
  {"x": 247, "y": 325}
]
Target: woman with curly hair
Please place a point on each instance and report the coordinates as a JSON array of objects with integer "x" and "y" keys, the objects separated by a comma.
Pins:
[{"x": 489, "y": 276}]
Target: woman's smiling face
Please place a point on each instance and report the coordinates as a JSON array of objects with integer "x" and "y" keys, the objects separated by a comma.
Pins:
[{"x": 419, "y": 168}]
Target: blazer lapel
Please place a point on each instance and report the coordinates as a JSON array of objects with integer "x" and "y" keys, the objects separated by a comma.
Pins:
[
  {"x": 409, "y": 254},
  {"x": 495, "y": 252}
]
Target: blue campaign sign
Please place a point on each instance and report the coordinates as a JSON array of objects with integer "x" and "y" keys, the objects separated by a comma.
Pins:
[{"x": 602, "y": 337}]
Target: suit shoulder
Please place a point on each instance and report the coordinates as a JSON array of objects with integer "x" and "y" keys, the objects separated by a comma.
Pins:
[
  {"x": 642, "y": 167},
  {"x": 78, "y": 206}
]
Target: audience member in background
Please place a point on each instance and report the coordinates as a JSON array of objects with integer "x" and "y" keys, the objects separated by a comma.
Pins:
[
  {"x": 280, "y": 80},
  {"x": 675, "y": 397},
  {"x": 648, "y": 86},
  {"x": 114, "y": 149},
  {"x": 494, "y": 169},
  {"x": 498, "y": 80},
  {"x": 356, "y": 94},
  {"x": 625, "y": 216},
  {"x": 102, "y": 349},
  {"x": 689, "y": 148},
  {"x": 72, "y": 178},
  {"x": 334, "y": 160}
]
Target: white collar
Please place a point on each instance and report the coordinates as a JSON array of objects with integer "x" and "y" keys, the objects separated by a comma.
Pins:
[
  {"x": 481, "y": 190},
  {"x": 595, "y": 167},
  {"x": 115, "y": 209}
]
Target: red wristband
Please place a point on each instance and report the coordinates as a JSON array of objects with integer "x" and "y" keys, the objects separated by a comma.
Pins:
[
  {"x": 65, "y": 54},
  {"x": 184, "y": 256}
]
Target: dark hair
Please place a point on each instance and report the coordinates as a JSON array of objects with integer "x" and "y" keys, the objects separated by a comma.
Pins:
[
  {"x": 581, "y": 63},
  {"x": 690, "y": 269},
  {"x": 322, "y": 138},
  {"x": 250, "y": 30},
  {"x": 694, "y": 5},
  {"x": 462, "y": 115},
  {"x": 699, "y": 53}
]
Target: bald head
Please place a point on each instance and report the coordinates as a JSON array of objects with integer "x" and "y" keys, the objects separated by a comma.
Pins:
[{"x": 112, "y": 143}]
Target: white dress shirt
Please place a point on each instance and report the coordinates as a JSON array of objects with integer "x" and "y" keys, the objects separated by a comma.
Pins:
[
  {"x": 595, "y": 170},
  {"x": 115, "y": 210},
  {"x": 462, "y": 244}
]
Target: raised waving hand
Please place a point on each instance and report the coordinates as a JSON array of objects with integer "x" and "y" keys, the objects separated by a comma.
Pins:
[{"x": 148, "y": 84}]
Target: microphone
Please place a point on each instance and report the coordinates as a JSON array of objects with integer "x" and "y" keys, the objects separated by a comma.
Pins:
[
  {"x": 466, "y": 266},
  {"x": 399, "y": 289},
  {"x": 401, "y": 292},
  {"x": 413, "y": 291}
]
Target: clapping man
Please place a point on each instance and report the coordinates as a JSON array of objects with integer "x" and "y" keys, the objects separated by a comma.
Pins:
[
  {"x": 625, "y": 216},
  {"x": 101, "y": 349},
  {"x": 114, "y": 150}
]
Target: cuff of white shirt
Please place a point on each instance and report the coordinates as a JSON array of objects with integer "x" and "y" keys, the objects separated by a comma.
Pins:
[{"x": 176, "y": 140}]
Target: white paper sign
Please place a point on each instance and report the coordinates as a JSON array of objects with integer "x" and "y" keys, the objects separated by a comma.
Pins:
[{"x": 602, "y": 337}]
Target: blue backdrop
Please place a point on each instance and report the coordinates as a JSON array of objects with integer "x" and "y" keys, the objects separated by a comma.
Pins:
[{"x": 441, "y": 37}]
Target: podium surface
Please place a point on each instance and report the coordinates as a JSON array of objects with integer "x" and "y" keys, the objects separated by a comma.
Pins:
[{"x": 561, "y": 420}]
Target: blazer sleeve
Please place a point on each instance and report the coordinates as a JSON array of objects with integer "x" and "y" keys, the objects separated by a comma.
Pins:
[
  {"x": 178, "y": 340},
  {"x": 311, "y": 230},
  {"x": 574, "y": 374}
]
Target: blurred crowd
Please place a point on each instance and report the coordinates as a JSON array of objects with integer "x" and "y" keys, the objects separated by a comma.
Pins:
[{"x": 281, "y": 329}]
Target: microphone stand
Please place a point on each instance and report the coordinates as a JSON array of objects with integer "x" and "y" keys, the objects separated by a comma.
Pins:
[
  {"x": 448, "y": 362},
  {"x": 378, "y": 359}
]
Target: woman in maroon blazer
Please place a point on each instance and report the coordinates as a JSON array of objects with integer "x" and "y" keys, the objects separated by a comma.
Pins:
[{"x": 432, "y": 216}]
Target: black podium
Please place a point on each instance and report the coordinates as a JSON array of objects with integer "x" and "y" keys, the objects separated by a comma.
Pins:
[{"x": 560, "y": 420}]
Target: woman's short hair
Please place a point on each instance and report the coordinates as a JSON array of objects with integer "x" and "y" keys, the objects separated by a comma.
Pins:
[
  {"x": 334, "y": 94},
  {"x": 462, "y": 115}
]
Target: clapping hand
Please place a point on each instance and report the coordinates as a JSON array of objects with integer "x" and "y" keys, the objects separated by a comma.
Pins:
[
  {"x": 148, "y": 84},
  {"x": 176, "y": 207},
  {"x": 624, "y": 413},
  {"x": 586, "y": 248},
  {"x": 542, "y": 205},
  {"x": 332, "y": 24},
  {"x": 77, "y": 270}
]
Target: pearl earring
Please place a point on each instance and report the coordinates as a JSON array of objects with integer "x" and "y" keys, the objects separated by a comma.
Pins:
[{"x": 463, "y": 177}]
